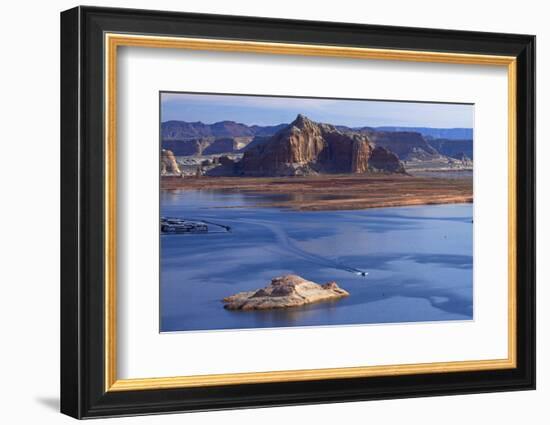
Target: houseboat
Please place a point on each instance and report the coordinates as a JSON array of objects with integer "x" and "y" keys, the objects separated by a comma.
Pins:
[{"x": 179, "y": 225}]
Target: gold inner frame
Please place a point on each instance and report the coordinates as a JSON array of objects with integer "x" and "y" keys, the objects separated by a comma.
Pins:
[{"x": 113, "y": 41}]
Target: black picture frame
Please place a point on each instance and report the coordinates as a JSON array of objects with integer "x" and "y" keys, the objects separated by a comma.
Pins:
[{"x": 83, "y": 392}]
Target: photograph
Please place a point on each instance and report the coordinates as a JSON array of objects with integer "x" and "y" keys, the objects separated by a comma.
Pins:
[{"x": 285, "y": 211}]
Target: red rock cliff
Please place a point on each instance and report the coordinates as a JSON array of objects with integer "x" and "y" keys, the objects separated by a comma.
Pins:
[{"x": 306, "y": 147}]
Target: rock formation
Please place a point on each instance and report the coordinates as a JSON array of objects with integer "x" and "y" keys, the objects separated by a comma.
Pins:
[
  {"x": 385, "y": 160},
  {"x": 283, "y": 292},
  {"x": 226, "y": 145},
  {"x": 182, "y": 130},
  {"x": 305, "y": 147},
  {"x": 168, "y": 164},
  {"x": 196, "y": 138},
  {"x": 406, "y": 145},
  {"x": 464, "y": 159},
  {"x": 206, "y": 145},
  {"x": 187, "y": 147},
  {"x": 225, "y": 167},
  {"x": 454, "y": 148},
  {"x": 430, "y": 133}
]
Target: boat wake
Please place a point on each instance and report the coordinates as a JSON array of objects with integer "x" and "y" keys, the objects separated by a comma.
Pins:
[{"x": 290, "y": 246}]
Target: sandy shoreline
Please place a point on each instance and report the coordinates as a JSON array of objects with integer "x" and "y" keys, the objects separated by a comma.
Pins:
[{"x": 336, "y": 192}]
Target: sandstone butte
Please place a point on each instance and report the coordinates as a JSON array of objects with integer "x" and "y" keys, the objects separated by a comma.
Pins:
[
  {"x": 305, "y": 147},
  {"x": 284, "y": 292}
]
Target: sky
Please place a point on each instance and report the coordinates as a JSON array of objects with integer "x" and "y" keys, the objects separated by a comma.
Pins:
[{"x": 264, "y": 110}]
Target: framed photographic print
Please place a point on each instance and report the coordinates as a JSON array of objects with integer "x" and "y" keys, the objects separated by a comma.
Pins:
[{"x": 261, "y": 212}]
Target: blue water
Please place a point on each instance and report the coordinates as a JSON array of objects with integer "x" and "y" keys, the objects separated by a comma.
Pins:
[{"x": 419, "y": 261}]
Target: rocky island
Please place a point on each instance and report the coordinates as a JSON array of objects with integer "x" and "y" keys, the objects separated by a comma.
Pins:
[{"x": 283, "y": 292}]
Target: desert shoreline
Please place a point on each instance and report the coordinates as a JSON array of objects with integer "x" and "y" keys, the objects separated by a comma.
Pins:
[{"x": 335, "y": 192}]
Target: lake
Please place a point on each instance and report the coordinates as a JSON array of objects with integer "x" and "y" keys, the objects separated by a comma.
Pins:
[{"x": 418, "y": 259}]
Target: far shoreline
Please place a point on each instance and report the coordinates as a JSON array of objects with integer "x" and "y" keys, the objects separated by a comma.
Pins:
[{"x": 336, "y": 192}]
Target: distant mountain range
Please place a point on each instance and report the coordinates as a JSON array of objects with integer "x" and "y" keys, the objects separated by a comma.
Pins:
[
  {"x": 305, "y": 146},
  {"x": 182, "y": 130},
  {"x": 435, "y": 133}
]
